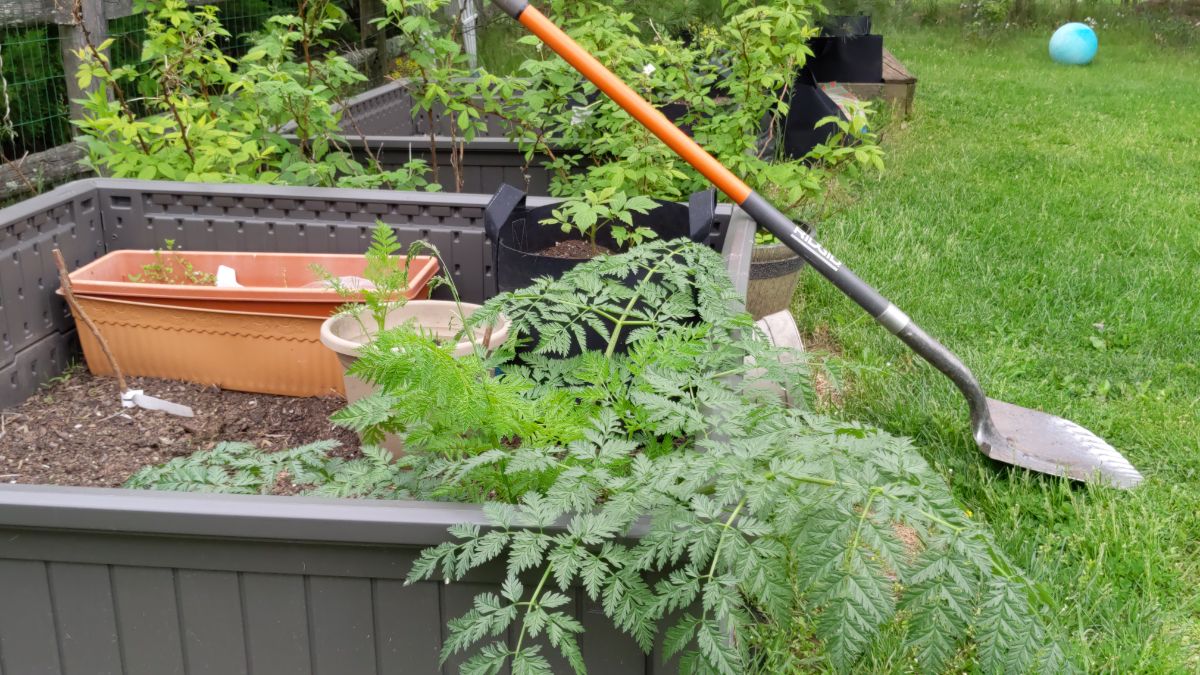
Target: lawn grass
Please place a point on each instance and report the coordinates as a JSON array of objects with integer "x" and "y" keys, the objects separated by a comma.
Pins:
[{"x": 1044, "y": 222}]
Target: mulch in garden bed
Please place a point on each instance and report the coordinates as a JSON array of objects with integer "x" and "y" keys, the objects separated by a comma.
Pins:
[{"x": 75, "y": 432}]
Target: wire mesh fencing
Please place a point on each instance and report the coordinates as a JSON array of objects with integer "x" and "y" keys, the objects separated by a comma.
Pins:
[{"x": 35, "y": 97}]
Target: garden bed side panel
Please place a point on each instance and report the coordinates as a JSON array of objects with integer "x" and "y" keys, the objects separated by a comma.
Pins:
[
  {"x": 119, "y": 581},
  {"x": 126, "y": 581},
  {"x": 487, "y": 163},
  {"x": 36, "y": 331}
]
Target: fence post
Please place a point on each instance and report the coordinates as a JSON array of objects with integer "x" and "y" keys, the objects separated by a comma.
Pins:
[
  {"x": 78, "y": 22},
  {"x": 377, "y": 67}
]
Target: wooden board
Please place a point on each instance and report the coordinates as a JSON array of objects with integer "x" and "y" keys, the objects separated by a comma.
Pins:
[
  {"x": 782, "y": 331},
  {"x": 899, "y": 86}
]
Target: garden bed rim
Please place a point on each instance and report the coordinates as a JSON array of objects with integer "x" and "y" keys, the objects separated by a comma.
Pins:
[
  {"x": 84, "y": 186},
  {"x": 259, "y": 517}
]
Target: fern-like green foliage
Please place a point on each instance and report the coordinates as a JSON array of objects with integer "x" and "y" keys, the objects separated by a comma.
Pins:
[
  {"x": 241, "y": 468},
  {"x": 668, "y": 480},
  {"x": 619, "y": 300}
]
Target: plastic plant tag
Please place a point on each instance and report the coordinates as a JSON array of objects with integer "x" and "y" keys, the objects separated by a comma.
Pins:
[{"x": 135, "y": 397}]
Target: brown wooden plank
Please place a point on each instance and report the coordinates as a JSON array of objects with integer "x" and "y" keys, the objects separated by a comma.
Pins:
[
  {"x": 276, "y": 624},
  {"x": 210, "y": 611},
  {"x": 87, "y": 624},
  {"x": 894, "y": 70},
  {"x": 42, "y": 170},
  {"x": 147, "y": 620},
  {"x": 27, "y": 635}
]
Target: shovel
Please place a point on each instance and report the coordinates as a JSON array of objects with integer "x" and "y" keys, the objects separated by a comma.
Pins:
[{"x": 1004, "y": 432}]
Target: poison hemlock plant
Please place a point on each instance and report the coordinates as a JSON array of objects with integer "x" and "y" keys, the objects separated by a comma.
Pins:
[
  {"x": 240, "y": 468},
  {"x": 682, "y": 494},
  {"x": 669, "y": 482}
]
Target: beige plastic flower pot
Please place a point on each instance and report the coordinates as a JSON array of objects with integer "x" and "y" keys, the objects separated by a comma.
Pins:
[{"x": 345, "y": 335}]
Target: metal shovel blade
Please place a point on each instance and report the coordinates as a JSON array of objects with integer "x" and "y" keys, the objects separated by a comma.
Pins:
[{"x": 1053, "y": 445}]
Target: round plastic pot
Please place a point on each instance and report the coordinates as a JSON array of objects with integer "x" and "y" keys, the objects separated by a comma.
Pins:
[
  {"x": 774, "y": 274},
  {"x": 345, "y": 335}
]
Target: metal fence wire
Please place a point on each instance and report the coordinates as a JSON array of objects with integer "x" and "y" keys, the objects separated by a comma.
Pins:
[
  {"x": 33, "y": 93},
  {"x": 35, "y": 105}
]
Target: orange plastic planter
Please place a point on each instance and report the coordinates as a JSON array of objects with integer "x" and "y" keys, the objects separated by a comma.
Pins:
[
  {"x": 272, "y": 283},
  {"x": 262, "y": 337},
  {"x": 261, "y": 353}
]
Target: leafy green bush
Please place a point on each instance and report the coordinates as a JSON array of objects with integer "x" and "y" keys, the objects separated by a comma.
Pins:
[
  {"x": 673, "y": 485},
  {"x": 729, "y": 83},
  {"x": 212, "y": 118}
]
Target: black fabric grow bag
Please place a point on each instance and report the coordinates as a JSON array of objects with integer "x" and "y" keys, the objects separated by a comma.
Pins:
[
  {"x": 517, "y": 233},
  {"x": 846, "y": 51}
]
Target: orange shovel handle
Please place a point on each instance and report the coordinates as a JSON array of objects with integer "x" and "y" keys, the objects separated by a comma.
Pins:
[{"x": 627, "y": 98}]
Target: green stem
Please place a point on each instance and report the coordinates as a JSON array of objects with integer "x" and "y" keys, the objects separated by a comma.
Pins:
[
  {"x": 637, "y": 294},
  {"x": 532, "y": 605},
  {"x": 866, "y": 511},
  {"x": 725, "y": 528}
]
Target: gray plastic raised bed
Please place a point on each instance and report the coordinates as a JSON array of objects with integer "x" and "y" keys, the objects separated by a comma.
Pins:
[
  {"x": 88, "y": 218},
  {"x": 381, "y": 122},
  {"x": 96, "y": 580}
]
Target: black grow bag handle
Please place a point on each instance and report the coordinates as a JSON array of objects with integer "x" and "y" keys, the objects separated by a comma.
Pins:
[{"x": 702, "y": 215}]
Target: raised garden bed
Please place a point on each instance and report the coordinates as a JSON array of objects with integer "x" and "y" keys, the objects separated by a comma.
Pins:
[
  {"x": 114, "y": 580},
  {"x": 381, "y": 120}
]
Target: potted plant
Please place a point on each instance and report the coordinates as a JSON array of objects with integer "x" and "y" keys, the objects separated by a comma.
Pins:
[
  {"x": 380, "y": 303},
  {"x": 547, "y": 241}
]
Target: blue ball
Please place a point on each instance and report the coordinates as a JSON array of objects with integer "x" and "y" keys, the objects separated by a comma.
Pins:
[{"x": 1074, "y": 44}]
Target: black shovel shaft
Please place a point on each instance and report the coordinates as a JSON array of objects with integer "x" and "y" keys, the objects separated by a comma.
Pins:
[{"x": 807, "y": 247}]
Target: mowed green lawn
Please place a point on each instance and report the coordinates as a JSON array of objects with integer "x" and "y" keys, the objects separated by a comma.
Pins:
[{"x": 1043, "y": 221}]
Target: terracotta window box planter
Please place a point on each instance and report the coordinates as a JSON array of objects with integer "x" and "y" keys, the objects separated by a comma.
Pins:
[{"x": 261, "y": 337}]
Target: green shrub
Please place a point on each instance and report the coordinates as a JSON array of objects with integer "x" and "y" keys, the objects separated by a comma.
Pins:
[{"x": 204, "y": 116}]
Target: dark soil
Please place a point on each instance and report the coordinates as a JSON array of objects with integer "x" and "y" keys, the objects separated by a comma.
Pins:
[
  {"x": 75, "y": 432},
  {"x": 575, "y": 249}
]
